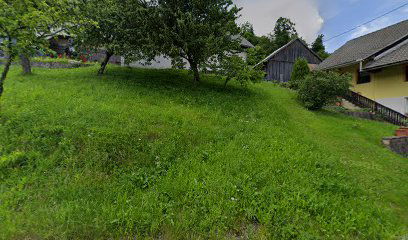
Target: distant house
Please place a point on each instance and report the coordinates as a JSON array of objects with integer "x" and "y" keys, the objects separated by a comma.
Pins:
[
  {"x": 279, "y": 64},
  {"x": 379, "y": 64},
  {"x": 164, "y": 62}
]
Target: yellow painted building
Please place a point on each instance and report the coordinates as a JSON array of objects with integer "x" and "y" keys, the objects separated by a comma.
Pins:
[
  {"x": 378, "y": 63},
  {"x": 388, "y": 86}
]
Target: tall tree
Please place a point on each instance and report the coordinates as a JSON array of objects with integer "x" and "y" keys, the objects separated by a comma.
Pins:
[
  {"x": 319, "y": 48},
  {"x": 195, "y": 30},
  {"x": 247, "y": 31},
  {"x": 120, "y": 29},
  {"x": 26, "y": 24},
  {"x": 284, "y": 31}
]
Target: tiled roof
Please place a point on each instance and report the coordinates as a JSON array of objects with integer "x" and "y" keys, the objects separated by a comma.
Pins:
[
  {"x": 366, "y": 46},
  {"x": 398, "y": 54}
]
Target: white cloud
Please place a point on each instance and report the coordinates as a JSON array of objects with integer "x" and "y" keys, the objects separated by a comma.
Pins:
[
  {"x": 264, "y": 13},
  {"x": 371, "y": 27}
]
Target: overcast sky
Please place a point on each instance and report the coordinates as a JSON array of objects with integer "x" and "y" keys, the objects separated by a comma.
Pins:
[{"x": 329, "y": 17}]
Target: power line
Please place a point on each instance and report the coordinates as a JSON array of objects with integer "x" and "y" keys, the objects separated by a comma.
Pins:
[{"x": 372, "y": 20}]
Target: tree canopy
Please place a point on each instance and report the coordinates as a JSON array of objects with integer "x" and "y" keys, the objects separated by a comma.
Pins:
[
  {"x": 120, "y": 29},
  {"x": 25, "y": 25},
  {"x": 319, "y": 48},
  {"x": 195, "y": 30},
  {"x": 284, "y": 31}
]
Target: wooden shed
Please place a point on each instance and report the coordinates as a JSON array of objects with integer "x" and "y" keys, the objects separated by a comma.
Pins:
[{"x": 279, "y": 64}]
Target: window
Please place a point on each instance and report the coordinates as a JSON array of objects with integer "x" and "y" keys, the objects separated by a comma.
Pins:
[
  {"x": 363, "y": 77},
  {"x": 406, "y": 73},
  {"x": 406, "y": 105}
]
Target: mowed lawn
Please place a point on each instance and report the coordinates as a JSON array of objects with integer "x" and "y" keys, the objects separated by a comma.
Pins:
[{"x": 150, "y": 154}]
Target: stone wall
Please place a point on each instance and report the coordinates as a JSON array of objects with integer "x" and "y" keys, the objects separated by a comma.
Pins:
[
  {"x": 58, "y": 65},
  {"x": 397, "y": 144}
]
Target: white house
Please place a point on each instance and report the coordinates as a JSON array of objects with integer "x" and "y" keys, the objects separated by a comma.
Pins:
[{"x": 164, "y": 62}]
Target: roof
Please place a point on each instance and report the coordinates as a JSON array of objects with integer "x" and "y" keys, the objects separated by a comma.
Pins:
[
  {"x": 396, "y": 55},
  {"x": 285, "y": 46},
  {"x": 366, "y": 46},
  {"x": 246, "y": 43},
  {"x": 243, "y": 41}
]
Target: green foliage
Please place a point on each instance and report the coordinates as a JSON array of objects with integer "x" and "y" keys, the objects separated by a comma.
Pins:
[
  {"x": 300, "y": 71},
  {"x": 319, "y": 48},
  {"x": 321, "y": 88},
  {"x": 195, "y": 30},
  {"x": 48, "y": 59},
  {"x": 284, "y": 32},
  {"x": 255, "y": 55},
  {"x": 247, "y": 31},
  {"x": 26, "y": 25},
  {"x": 143, "y": 153},
  {"x": 234, "y": 68},
  {"x": 119, "y": 28}
]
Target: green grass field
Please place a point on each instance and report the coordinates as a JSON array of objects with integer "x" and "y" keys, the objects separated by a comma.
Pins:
[{"x": 150, "y": 154}]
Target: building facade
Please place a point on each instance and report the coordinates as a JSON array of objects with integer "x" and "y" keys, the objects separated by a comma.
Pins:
[{"x": 378, "y": 63}]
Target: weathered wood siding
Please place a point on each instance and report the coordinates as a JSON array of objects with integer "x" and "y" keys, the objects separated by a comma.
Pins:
[{"x": 280, "y": 66}]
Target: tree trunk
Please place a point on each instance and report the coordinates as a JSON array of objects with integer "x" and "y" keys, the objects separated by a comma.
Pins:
[
  {"x": 4, "y": 73},
  {"x": 226, "y": 82},
  {"x": 194, "y": 67},
  {"x": 25, "y": 64},
  {"x": 105, "y": 63}
]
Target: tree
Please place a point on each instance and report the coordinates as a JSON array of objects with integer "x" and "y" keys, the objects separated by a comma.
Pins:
[
  {"x": 26, "y": 24},
  {"x": 267, "y": 44},
  {"x": 255, "y": 55},
  {"x": 195, "y": 30},
  {"x": 120, "y": 29},
  {"x": 234, "y": 68},
  {"x": 319, "y": 48},
  {"x": 321, "y": 88},
  {"x": 284, "y": 32},
  {"x": 300, "y": 71},
  {"x": 247, "y": 31}
]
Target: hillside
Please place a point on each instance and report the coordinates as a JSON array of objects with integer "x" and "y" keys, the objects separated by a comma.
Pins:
[{"x": 150, "y": 153}]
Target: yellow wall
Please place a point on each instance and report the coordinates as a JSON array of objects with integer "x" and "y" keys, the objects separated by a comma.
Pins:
[{"x": 387, "y": 83}]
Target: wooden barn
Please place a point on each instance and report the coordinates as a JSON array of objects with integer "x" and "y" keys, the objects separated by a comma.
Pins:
[{"x": 279, "y": 64}]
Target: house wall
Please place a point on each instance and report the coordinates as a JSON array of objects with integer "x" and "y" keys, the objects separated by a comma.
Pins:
[
  {"x": 388, "y": 86},
  {"x": 162, "y": 62}
]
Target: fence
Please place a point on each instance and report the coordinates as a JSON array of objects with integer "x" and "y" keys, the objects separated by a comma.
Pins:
[{"x": 386, "y": 113}]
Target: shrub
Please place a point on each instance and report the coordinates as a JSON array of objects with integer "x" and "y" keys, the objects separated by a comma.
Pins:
[
  {"x": 235, "y": 68},
  {"x": 255, "y": 55},
  {"x": 299, "y": 73},
  {"x": 321, "y": 88}
]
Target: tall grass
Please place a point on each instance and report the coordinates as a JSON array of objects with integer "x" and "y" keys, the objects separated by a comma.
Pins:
[{"x": 149, "y": 153}]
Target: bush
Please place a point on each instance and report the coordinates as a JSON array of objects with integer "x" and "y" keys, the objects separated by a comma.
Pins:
[
  {"x": 321, "y": 88},
  {"x": 235, "y": 68},
  {"x": 255, "y": 55},
  {"x": 299, "y": 73}
]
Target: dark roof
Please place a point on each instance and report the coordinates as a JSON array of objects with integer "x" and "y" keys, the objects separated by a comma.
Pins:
[
  {"x": 395, "y": 55},
  {"x": 246, "y": 43},
  {"x": 285, "y": 46},
  {"x": 243, "y": 41},
  {"x": 366, "y": 46}
]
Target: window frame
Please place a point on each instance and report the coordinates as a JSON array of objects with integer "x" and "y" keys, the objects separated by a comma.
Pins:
[
  {"x": 359, "y": 77},
  {"x": 406, "y": 73}
]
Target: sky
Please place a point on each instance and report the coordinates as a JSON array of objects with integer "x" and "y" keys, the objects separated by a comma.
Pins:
[{"x": 328, "y": 17}]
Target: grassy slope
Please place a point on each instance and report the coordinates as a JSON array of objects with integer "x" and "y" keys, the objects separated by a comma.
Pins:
[{"x": 142, "y": 152}]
